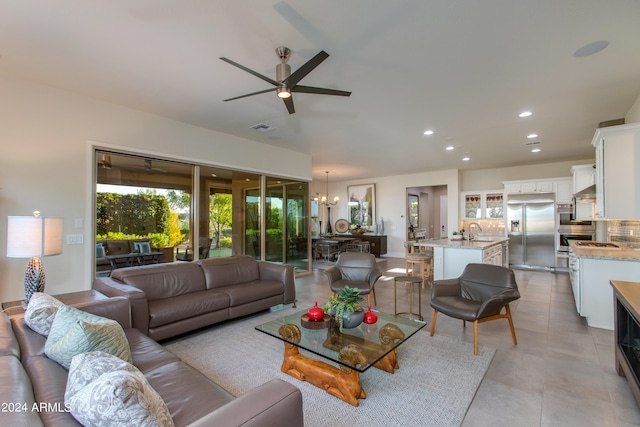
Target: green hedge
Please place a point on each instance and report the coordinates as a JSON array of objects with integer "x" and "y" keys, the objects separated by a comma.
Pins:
[{"x": 139, "y": 214}]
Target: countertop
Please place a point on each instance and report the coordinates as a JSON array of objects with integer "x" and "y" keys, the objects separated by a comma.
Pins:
[
  {"x": 624, "y": 253},
  {"x": 480, "y": 243}
]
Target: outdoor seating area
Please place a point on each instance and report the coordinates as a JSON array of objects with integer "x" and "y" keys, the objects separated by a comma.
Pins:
[{"x": 113, "y": 254}]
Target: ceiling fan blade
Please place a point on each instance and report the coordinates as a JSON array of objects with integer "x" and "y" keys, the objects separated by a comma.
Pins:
[
  {"x": 320, "y": 90},
  {"x": 289, "y": 103},
  {"x": 250, "y": 94},
  {"x": 297, "y": 75},
  {"x": 258, "y": 75}
]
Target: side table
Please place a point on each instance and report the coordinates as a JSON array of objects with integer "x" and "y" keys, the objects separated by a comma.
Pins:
[{"x": 411, "y": 280}]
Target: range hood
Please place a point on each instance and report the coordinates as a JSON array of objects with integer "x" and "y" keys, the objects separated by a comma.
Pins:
[{"x": 587, "y": 193}]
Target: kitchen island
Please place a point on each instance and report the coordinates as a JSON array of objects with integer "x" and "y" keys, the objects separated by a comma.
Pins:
[
  {"x": 591, "y": 269},
  {"x": 450, "y": 256}
]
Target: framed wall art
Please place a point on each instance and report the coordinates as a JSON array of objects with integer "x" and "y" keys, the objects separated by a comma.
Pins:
[{"x": 362, "y": 204}]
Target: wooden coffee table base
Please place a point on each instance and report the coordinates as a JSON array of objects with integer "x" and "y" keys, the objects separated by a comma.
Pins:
[{"x": 342, "y": 382}]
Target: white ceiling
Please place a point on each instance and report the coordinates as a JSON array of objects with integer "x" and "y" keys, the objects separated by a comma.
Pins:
[{"x": 463, "y": 68}]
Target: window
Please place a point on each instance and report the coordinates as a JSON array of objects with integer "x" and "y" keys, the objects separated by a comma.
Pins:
[{"x": 142, "y": 198}]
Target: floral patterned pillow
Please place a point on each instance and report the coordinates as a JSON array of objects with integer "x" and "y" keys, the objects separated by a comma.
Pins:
[
  {"x": 40, "y": 312},
  {"x": 103, "y": 390}
]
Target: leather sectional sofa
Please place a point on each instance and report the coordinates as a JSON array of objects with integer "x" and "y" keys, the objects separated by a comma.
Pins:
[
  {"x": 34, "y": 385},
  {"x": 170, "y": 299}
]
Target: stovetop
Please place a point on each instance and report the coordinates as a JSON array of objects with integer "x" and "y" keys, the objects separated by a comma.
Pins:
[{"x": 596, "y": 245}]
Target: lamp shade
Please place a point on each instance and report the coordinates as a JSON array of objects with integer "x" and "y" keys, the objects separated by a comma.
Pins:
[{"x": 33, "y": 236}]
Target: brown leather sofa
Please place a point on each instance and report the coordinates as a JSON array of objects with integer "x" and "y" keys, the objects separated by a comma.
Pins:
[
  {"x": 29, "y": 378},
  {"x": 171, "y": 299}
]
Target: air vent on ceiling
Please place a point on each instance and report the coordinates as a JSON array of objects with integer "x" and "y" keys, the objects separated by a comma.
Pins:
[
  {"x": 530, "y": 143},
  {"x": 261, "y": 127}
]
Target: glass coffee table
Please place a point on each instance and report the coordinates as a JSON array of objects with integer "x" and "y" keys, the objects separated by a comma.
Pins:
[{"x": 353, "y": 350}]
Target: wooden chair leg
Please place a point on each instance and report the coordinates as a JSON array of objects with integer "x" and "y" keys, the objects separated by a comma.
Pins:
[
  {"x": 475, "y": 338},
  {"x": 375, "y": 300},
  {"x": 433, "y": 322},
  {"x": 513, "y": 331}
]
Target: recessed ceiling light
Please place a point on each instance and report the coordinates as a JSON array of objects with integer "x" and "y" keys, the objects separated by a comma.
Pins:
[
  {"x": 428, "y": 132},
  {"x": 533, "y": 135},
  {"x": 591, "y": 48},
  {"x": 525, "y": 114},
  {"x": 214, "y": 175},
  {"x": 466, "y": 159},
  {"x": 450, "y": 147},
  {"x": 536, "y": 150}
]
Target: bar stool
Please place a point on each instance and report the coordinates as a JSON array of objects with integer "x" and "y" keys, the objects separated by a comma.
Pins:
[{"x": 423, "y": 260}]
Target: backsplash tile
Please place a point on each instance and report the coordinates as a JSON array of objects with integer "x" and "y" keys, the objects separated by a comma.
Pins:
[{"x": 627, "y": 232}]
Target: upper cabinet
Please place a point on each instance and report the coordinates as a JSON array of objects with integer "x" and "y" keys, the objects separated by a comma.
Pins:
[
  {"x": 618, "y": 172},
  {"x": 562, "y": 187},
  {"x": 511, "y": 187},
  {"x": 584, "y": 176},
  {"x": 482, "y": 204}
]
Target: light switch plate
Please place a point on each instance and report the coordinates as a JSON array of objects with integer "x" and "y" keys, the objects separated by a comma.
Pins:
[{"x": 75, "y": 239}]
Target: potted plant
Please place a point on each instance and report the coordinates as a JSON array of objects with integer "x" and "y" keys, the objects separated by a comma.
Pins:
[{"x": 344, "y": 307}]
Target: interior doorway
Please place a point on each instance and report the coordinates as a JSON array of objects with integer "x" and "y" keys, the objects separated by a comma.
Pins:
[{"x": 425, "y": 210}]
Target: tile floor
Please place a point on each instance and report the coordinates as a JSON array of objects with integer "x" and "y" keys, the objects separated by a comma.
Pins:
[{"x": 561, "y": 373}]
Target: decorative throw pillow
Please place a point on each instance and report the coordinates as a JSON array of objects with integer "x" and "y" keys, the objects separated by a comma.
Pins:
[
  {"x": 75, "y": 331},
  {"x": 41, "y": 311},
  {"x": 100, "y": 250},
  {"x": 87, "y": 367},
  {"x": 142, "y": 247},
  {"x": 120, "y": 397}
]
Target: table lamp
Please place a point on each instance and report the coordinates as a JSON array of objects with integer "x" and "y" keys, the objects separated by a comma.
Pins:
[{"x": 33, "y": 237}]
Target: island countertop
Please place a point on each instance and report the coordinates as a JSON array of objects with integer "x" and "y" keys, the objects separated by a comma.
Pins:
[
  {"x": 624, "y": 253},
  {"x": 478, "y": 243}
]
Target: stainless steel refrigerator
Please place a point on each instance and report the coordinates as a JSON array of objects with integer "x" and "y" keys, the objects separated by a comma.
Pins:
[{"x": 531, "y": 230}]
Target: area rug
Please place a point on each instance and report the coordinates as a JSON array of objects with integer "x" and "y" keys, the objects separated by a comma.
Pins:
[{"x": 436, "y": 382}]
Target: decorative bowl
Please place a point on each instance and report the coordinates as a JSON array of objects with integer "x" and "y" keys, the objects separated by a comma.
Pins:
[{"x": 358, "y": 230}]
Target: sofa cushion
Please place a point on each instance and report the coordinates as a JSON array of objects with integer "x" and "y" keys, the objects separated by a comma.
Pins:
[
  {"x": 41, "y": 311},
  {"x": 229, "y": 270},
  {"x": 75, "y": 331},
  {"x": 101, "y": 391},
  {"x": 118, "y": 247},
  {"x": 252, "y": 291},
  {"x": 169, "y": 310},
  {"x": 142, "y": 247},
  {"x": 101, "y": 251},
  {"x": 189, "y": 395},
  {"x": 159, "y": 281}
]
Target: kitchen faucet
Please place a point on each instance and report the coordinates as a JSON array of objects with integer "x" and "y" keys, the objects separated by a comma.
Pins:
[{"x": 469, "y": 236}]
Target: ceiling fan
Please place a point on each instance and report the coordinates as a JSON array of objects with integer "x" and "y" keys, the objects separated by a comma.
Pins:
[{"x": 286, "y": 82}]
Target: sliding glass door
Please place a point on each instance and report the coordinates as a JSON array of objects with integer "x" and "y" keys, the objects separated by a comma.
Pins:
[{"x": 224, "y": 218}]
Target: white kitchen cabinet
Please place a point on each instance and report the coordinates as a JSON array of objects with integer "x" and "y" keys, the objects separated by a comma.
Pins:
[
  {"x": 583, "y": 176},
  {"x": 530, "y": 186},
  {"x": 450, "y": 261},
  {"x": 563, "y": 189},
  {"x": 482, "y": 204},
  {"x": 595, "y": 292},
  {"x": 617, "y": 172}
]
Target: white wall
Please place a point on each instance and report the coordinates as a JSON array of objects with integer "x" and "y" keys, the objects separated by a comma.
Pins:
[
  {"x": 491, "y": 179},
  {"x": 633, "y": 115},
  {"x": 46, "y": 166}
]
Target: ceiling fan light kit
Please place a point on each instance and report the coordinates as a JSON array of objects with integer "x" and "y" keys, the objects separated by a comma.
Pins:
[{"x": 285, "y": 82}]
